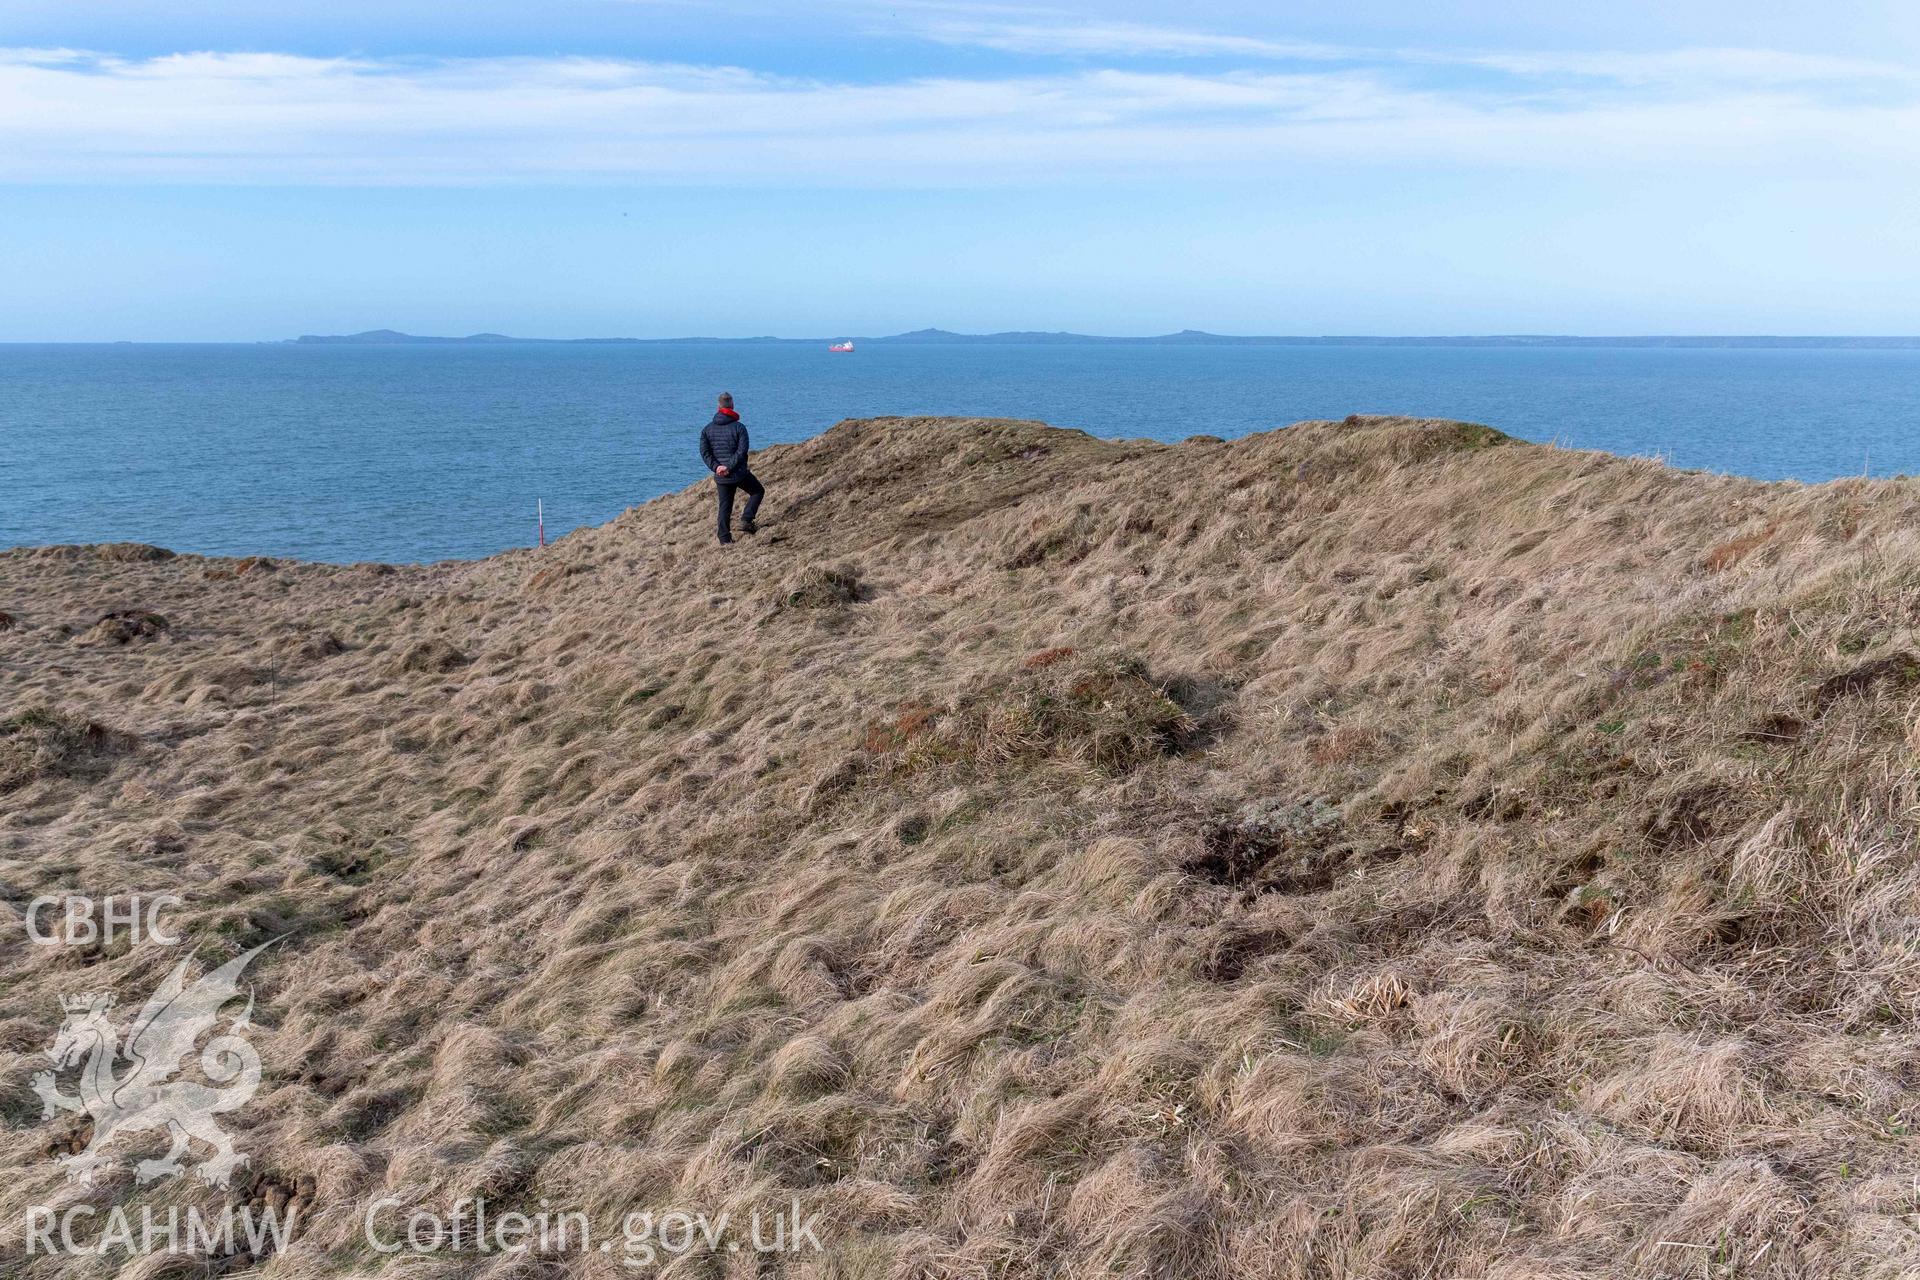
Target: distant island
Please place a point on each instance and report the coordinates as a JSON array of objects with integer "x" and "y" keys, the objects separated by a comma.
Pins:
[{"x": 1186, "y": 337}]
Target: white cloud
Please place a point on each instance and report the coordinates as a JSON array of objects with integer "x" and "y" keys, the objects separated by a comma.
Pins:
[
  {"x": 1703, "y": 66},
  {"x": 1143, "y": 40},
  {"x": 1123, "y": 39},
  {"x": 266, "y": 117}
]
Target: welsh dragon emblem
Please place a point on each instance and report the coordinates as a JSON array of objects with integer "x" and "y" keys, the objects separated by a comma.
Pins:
[{"x": 143, "y": 1094}]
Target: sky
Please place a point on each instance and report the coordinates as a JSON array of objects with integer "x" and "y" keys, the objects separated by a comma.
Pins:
[{"x": 255, "y": 169}]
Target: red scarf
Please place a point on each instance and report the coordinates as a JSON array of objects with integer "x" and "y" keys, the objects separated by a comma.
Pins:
[{"x": 728, "y": 413}]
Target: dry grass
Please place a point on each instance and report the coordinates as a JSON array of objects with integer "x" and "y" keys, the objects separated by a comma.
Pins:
[
  {"x": 1442, "y": 857},
  {"x": 39, "y": 742}
]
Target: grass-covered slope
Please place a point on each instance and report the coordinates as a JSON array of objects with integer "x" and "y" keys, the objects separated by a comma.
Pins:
[{"x": 1366, "y": 849}]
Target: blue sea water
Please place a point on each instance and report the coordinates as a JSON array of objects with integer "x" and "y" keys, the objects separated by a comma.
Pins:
[{"x": 426, "y": 452}]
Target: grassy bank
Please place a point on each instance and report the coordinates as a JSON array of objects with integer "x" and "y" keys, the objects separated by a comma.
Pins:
[{"x": 1366, "y": 849}]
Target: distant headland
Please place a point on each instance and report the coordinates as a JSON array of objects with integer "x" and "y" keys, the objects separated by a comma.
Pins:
[{"x": 1186, "y": 337}]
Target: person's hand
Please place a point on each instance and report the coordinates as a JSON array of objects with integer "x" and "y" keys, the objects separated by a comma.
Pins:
[{"x": 720, "y": 471}]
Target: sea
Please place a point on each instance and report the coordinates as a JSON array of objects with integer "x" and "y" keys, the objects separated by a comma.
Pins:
[{"x": 420, "y": 453}]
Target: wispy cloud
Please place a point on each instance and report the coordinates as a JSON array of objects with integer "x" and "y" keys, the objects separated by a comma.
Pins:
[
  {"x": 1120, "y": 40},
  {"x": 1701, "y": 67},
  {"x": 267, "y": 117}
]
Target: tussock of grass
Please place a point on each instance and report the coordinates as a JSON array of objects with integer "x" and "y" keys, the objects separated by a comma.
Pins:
[
  {"x": 821, "y": 586},
  {"x": 433, "y": 656},
  {"x": 41, "y": 742},
  {"x": 1102, "y": 711},
  {"x": 130, "y": 552},
  {"x": 123, "y": 626},
  {"x": 1436, "y": 855}
]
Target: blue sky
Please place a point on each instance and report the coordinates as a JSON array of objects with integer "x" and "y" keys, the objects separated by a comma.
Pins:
[{"x": 255, "y": 170}]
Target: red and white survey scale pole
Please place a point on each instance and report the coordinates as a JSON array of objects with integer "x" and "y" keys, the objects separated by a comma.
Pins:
[{"x": 540, "y": 518}]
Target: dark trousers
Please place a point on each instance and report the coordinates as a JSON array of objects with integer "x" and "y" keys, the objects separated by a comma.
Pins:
[{"x": 741, "y": 479}]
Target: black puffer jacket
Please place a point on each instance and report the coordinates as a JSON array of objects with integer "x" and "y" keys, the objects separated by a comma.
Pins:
[{"x": 723, "y": 443}]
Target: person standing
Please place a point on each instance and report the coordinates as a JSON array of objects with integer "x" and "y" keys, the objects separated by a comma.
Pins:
[{"x": 723, "y": 447}]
